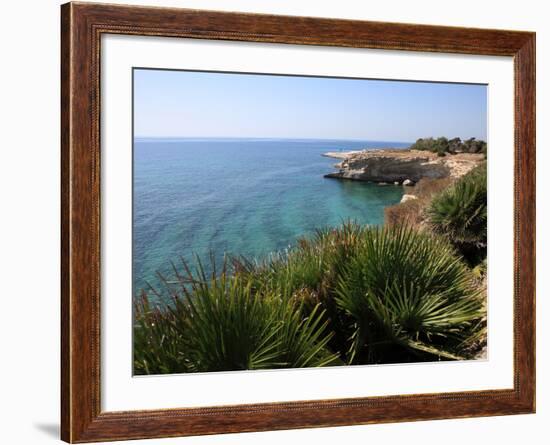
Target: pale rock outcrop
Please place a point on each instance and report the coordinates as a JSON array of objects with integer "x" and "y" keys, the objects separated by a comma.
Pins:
[
  {"x": 406, "y": 198},
  {"x": 398, "y": 165}
]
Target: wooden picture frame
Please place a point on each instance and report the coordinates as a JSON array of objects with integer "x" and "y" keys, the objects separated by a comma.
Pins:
[{"x": 82, "y": 25}]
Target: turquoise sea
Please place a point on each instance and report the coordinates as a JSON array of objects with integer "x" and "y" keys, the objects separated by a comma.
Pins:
[{"x": 240, "y": 196}]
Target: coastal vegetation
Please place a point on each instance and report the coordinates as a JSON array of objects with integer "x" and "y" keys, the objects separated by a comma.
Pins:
[
  {"x": 412, "y": 210},
  {"x": 453, "y": 208},
  {"x": 443, "y": 146},
  {"x": 460, "y": 214},
  {"x": 411, "y": 290}
]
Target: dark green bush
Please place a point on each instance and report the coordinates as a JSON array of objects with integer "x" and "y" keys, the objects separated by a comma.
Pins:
[
  {"x": 157, "y": 343},
  {"x": 220, "y": 324},
  {"x": 408, "y": 295},
  {"x": 460, "y": 214},
  {"x": 442, "y": 145}
]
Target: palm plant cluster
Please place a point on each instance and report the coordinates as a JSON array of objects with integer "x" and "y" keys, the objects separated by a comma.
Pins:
[
  {"x": 460, "y": 214},
  {"x": 348, "y": 295}
]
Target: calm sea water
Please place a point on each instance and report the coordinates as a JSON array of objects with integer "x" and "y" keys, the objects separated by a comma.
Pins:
[{"x": 240, "y": 196}]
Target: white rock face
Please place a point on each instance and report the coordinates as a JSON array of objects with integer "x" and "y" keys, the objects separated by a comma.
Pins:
[
  {"x": 408, "y": 182},
  {"x": 398, "y": 165},
  {"x": 406, "y": 198}
]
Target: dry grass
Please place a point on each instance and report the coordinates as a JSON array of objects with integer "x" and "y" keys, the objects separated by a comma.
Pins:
[
  {"x": 409, "y": 213},
  {"x": 426, "y": 188},
  {"x": 412, "y": 212}
]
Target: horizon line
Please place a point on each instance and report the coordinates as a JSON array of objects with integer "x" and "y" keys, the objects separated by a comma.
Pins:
[{"x": 273, "y": 138}]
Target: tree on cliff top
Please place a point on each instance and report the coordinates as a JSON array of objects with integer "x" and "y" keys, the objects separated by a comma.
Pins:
[{"x": 442, "y": 145}]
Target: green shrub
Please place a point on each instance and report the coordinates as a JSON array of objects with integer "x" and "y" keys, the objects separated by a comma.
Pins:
[
  {"x": 442, "y": 145},
  {"x": 352, "y": 294},
  {"x": 220, "y": 324},
  {"x": 460, "y": 214},
  {"x": 157, "y": 344},
  {"x": 408, "y": 294},
  {"x": 314, "y": 263},
  {"x": 332, "y": 265}
]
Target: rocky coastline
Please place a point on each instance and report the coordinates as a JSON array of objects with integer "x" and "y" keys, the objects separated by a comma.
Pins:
[{"x": 401, "y": 166}]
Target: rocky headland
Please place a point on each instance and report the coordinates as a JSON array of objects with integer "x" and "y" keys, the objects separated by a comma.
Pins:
[{"x": 402, "y": 166}]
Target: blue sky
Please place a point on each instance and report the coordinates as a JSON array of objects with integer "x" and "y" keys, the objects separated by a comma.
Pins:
[{"x": 198, "y": 104}]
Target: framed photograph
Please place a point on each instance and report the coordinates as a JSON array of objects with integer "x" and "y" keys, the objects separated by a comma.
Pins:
[{"x": 274, "y": 222}]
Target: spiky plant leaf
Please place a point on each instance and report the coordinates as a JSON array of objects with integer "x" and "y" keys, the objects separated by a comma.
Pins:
[
  {"x": 220, "y": 323},
  {"x": 460, "y": 212},
  {"x": 405, "y": 290}
]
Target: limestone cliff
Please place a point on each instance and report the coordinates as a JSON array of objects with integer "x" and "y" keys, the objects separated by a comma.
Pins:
[{"x": 395, "y": 165}]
